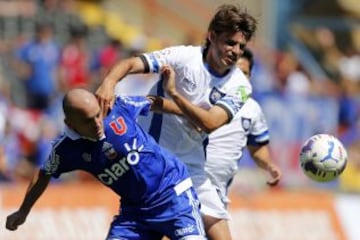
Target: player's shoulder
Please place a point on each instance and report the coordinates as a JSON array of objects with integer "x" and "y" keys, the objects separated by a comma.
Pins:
[
  {"x": 136, "y": 101},
  {"x": 253, "y": 103},
  {"x": 129, "y": 106},
  {"x": 184, "y": 51},
  {"x": 251, "y": 107},
  {"x": 185, "y": 48},
  {"x": 237, "y": 77},
  {"x": 62, "y": 142}
]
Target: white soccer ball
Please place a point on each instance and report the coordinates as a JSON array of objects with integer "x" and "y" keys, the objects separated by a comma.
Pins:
[{"x": 323, "y": 157}]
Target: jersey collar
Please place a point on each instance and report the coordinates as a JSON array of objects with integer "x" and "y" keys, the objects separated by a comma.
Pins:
[{"x": 75, "y": 136}]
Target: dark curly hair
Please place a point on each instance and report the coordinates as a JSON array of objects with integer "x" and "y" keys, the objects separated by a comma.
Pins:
[
  {"x": 231, "y": 19},
  {"x": 248, "y": 55}
]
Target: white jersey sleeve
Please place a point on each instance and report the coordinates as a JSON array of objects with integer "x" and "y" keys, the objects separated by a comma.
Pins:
[
  {"x": 172, "y": 56},
  {"x": 237, "y": 92},
  {"x": 259, "y": 133}
]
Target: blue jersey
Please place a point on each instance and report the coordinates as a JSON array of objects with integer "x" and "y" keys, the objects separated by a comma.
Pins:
[
  {"x": 43, "y": 59},
  {"x": 127, "y": 159}
]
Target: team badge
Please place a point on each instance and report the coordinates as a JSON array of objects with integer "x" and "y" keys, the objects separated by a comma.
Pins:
[
  {"x": 86, "y": 157},
  {"x": 215, "y": 95},
  {"x": 246, "y": 123},
  {"x": 109, "y": 151}
]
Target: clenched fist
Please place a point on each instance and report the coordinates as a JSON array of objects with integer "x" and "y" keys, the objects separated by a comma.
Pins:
[{"x": 14, "y": 220}]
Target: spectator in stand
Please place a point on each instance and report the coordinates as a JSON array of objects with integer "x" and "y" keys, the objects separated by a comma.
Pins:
[
  {"x": 11, "y": 154},
  {"x": 292, "y": 80},
  {"x": 3, "y": 123},
  {"x": 38, "y": 61},
  {"x": 110, "y": 54},
  {"x": 61, "y": 14},
  {"x": 105, "y": 58},
  {"x": 74, "y": 67}
]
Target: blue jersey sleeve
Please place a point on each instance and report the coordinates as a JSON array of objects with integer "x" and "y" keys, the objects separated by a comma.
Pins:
[
  {"x": 258, "y": 140},
  {"x": 52, "y": 166},
  {"x": 135, "y": 105}
]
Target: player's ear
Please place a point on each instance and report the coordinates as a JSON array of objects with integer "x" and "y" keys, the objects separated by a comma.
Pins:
[{"x": 211, "y": 36}]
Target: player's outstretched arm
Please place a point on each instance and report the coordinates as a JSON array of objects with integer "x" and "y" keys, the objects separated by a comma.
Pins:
[
  {"x": 105, "y": 92},
  {"x": 207, "y": 120},
  {"x": 262, "y": 157},
  {"x": 37, "y": 186}
]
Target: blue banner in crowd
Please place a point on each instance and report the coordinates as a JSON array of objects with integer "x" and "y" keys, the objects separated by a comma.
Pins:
[
  {"x": 291, "y": 120},
  {"x": 296, "y": 118}
]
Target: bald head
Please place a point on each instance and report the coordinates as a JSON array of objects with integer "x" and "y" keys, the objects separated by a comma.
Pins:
[
  {"x": 82, "y": 113},
  {"x": 79, "y": 101}
]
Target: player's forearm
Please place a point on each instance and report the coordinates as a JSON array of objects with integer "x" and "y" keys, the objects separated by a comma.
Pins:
[
  {"x": 34, "y": 191},
  {"x": 261, "y": 156},
  {"x": 116, "y": 73},
  {"x": 206, "y": 120},
  {"x": 197, "y": 115},
  {"x": 121, "y": 69},
  {"x": 263, "y": 163}
]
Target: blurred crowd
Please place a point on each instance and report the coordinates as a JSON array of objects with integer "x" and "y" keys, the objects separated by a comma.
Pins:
[
  {"x": 281, "y": 73},
  {"x": 47, "y": 49}
]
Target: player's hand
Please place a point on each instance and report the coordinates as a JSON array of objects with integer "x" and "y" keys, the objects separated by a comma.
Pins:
[
  {"x": 14, "y": 220},
  {"x": 275, "y": 174},
  {"x": 106, "y": 97},
  {"x": 168, "y": 75}
]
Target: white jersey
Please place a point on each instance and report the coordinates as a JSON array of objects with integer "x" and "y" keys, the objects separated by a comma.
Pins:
[
  {"x": 196, "y": 83},
  {"x": 226, "y": 144}
]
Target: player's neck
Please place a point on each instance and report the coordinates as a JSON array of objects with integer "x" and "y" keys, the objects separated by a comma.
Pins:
[
  {"x": 212, "y": 66},
  {"x": 214, "y": 69}
]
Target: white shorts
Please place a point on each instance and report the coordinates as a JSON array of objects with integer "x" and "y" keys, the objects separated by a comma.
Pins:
[{"x": 209, "y": 197}]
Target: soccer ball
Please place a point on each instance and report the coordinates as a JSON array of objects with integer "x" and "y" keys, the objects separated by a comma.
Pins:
[{"x": 323, "y": 157}]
